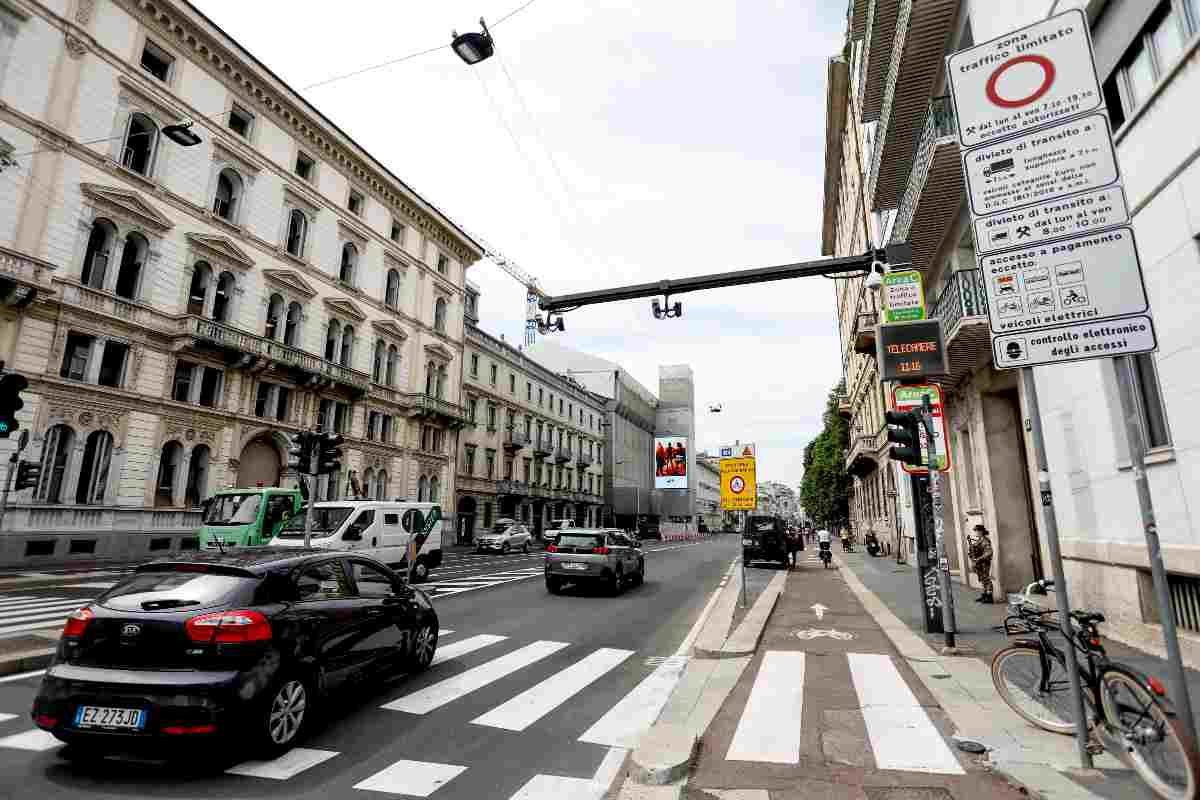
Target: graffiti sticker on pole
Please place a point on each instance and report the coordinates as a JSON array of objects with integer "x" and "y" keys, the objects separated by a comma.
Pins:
[{"x": 1025, "y": 79}]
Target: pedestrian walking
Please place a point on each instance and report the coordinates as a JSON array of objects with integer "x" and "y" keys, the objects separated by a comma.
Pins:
[
  {"x": 793, "y": 546},
  {"x": 980, "y": 554}
]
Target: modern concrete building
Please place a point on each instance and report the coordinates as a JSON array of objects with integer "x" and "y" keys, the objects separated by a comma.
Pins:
[
  {"x": 629, "y": 431},
  {"x": 707, "y": 479},
  {"x": 197, "y": 303},
  {"x": 892, "y": 174},
  {"x": 534, "y": 446}
]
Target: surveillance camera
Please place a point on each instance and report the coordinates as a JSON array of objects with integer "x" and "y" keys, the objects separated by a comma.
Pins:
[
  {"x": 679, "y": 309},
  {"x": 656, "y": 309},
  {"x": 874, "y": 280}
]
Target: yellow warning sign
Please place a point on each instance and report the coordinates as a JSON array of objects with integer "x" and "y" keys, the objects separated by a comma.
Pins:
[{"x": 739, "y": 487}]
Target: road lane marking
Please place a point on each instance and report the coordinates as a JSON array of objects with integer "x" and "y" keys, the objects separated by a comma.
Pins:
[
  {"x": 288, "y": 765},
  {"x": 633, "y": 715},
  {"x": 769, "y": 729},
  {"x": 415, "y": 778},
  {"x": 531, "y": 705},
  {"x": 468, "y": 645},
  {"x": 451, "y": 689},
  {"x": 555, "y": 787},
  {"x": 18, "y": 599},
  {"x": 901, "y": 733},
  {"x": 36, "y": 740},
  {"x": 7, "y": 717},
  {"x": 21, "y": 676},
  {"x": 13, "y": 612}
]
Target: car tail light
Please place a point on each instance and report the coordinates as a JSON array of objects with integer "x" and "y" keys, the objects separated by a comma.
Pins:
[
  {"x": 184, "y": 729},
  {"x": 223, "y": 627},
  {"x": 45, "y": 721},
  {"x": 77, "y": 623},
  {"x": 599, "y": 551},
  {"x": 551, "y": 548},
  {"x": 1157, "y": 687}
]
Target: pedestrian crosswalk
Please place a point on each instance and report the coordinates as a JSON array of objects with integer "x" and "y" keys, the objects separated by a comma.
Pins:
[
  {"x": 24, "y": 613},
  {"x": 542, "y": 678},
  {"x": 452, "y": 586}
]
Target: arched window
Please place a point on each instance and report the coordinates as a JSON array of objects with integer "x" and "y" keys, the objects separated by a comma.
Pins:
[
  {"x": 93, "y": 472},
  {"x": 439, "y": 389},
  {"x": 274, "y": 316},
  {"x": 331, "y": 340},
  {"x": 223, "y": 300},
  {"x": 168, "y": 469},
  {"x": 297, "y": 232},
  {"x": 393, "y": 365},
  {"x": 56, "y": 455},
  {"x": 291, "y": 330},
  {"x": 197, "y": 477},
  {"x": 198, "y": 293},
  {"x": 349, "y": 262},
  {"x": 141, "y": 141},
  {"x": 435, "y": 488},
  {"x": 229, "y": 192},
  {"x": 368, "y": 483},
  {"x": 132, "y": 258},
  {"x": 422, "y": 489},
  {"x": 378, "y": 360},
  {"x": 381, "y": 484},
  {"x": 347, "y": 346},
  {"x": 430, "y": 378},
  {"x": 439, "y": 315},
  {"x": 391, "y": 294},
  {"x": 99, "y": 249}
]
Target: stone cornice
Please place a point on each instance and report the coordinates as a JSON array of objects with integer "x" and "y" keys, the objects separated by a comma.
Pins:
[
  {"x": 215, "y": 52},
  {"x": 126, "y": 202},
  {"x": 289, "y": 280}
]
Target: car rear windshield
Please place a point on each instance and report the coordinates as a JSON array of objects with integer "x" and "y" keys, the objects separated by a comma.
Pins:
[
  {"x": 171, "y": 589},
  {"x": 325, "y": 522},
  {"x": 580, "y": 540}
]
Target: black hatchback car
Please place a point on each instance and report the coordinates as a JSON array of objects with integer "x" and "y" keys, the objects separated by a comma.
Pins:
[{"x": 237, "y": 648}]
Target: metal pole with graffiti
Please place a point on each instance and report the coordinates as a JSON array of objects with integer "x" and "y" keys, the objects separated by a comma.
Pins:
[{"x": 939, "y": 524}]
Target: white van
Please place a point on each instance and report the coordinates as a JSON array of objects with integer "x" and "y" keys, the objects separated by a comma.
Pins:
[{"x": 378, "y": 528}]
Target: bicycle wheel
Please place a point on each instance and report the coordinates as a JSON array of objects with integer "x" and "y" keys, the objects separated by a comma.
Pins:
[
  {"x": 1153, "y": 740},
  {"x": 1017, "y": 674}
]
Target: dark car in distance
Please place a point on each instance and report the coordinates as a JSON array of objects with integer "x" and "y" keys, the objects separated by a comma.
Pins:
[
  {"x": 764, "y": 540},
  {"x": 230, "y": 648}
]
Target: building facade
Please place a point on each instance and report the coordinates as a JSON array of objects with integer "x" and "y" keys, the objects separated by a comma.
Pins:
[
  {"x": 675, "y": 417},
  {"x": 197, "y": 303},
  {"x": 895, "y": 176},
  {"x": 708, "y": 492},
  {"x": 533, "y": 449}
]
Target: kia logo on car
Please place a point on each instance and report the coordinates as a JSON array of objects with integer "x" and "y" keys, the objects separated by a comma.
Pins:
[{"x": 131, "y": 630}]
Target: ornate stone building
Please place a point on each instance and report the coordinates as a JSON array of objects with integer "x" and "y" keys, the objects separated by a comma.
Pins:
[{"x": 179, "y": 309}]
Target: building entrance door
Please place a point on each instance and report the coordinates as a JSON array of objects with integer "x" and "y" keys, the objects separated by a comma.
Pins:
[{"x": 259, "y": 462}]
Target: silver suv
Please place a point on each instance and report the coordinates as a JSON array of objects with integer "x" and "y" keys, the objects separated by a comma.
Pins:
[{"x": 585, "y": 555}]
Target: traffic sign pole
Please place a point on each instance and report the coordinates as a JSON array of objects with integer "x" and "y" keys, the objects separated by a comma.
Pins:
[{"x": 939, "y": 524}]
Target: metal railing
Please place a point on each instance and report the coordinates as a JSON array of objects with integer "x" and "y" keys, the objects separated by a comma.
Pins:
[
  {"x": 515, "y": 439},
  {"x": 512, "y": 487},
  {"x": 940, "y": 123},
  {"x": 889, "y": 95},
  {"x": 436, "y": 405},
  {"x": 964, "y": 295},
  {"x": 562, "y": 454}
]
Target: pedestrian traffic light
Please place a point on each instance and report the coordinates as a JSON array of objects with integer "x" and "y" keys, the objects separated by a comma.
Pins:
[
  {"x": 904, "y": 430},
  {"x": 29, "y": 473},
  {"x": 11, "y": 386},
  {"x": 331, "y": 453},
  {"x": 300, "y": 453}
]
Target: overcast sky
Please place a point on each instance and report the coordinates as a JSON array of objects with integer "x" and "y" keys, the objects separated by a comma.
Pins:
[{"x": 688, "y": 138}]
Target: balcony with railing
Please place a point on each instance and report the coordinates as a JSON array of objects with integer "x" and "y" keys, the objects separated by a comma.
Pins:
[
  {"x": 922, "y": 33},
  {"x": 542, "y": 447},
  {"x": 863, "y": 456},
  {"x": 962, "y": 308},
  {"x": 844, "y": 408},
  {"x": 511, "y": 487},
  {"x": 562, "y": 455},
  {"x": 866, "y": 326},
  {"x": 425, "y": 406},
  {"x": 935, "y": 187},
  {"x": 193, "y": 331},
  {"x": 879, "y": 34},
  {"x": 584, "y": 459},
  {"x": 514, "y": 440}
]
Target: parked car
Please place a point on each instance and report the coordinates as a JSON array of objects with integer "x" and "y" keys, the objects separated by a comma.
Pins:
[
  {"x": 763, "y": 540},
  {"x": 606, "y": 557},
  {"x": 378, "y": 528},
  {"x": 236, "y": 649},
  {"x": 506, "y": 535}
]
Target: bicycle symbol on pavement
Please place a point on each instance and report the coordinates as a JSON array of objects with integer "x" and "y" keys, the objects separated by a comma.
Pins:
[{"x": 816, "y": 633}]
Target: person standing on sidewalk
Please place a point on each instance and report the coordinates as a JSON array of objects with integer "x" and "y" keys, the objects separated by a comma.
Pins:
[{"x": 981, "y": 562}]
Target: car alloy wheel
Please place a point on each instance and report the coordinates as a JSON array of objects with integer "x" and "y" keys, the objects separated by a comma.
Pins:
[
  {"x": 288, "y": 709},
  {"x": 424, "y": 646},
  {"x": 420, "y": 571}
]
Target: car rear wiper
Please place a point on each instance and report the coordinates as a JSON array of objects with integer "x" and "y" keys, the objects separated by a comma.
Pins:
[{"x": 174, "y": 602}]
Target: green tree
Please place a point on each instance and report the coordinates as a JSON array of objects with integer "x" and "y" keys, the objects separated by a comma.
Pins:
[{"x": 825, "y": 490}]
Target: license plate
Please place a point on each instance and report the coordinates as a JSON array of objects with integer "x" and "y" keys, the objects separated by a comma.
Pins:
[
  {"x": 103, "y": 717},
  {"x": 747, "y": 542},
  {"x": 574, "y": 566}
]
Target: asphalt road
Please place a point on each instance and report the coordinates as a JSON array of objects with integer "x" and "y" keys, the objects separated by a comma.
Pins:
[{"x": 520, "y": 707}]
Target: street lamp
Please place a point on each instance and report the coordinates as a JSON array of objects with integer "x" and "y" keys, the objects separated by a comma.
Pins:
[
  {"x": 473, "y": 47},
  {"x": 182, "y": 134}
]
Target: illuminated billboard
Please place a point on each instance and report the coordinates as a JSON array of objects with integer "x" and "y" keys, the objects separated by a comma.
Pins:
[{"x": 670, "y": 462}]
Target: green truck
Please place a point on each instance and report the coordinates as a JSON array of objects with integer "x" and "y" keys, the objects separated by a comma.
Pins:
[{"x": 247, "y": 517}]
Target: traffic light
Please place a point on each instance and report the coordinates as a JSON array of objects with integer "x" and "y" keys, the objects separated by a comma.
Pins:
[
  {"x": 29, "y": 473},
  {"x": 11, "y": 386},
  {"x": 300, "y": 453},
  {"x": 331, "y": 453},
  {"x": 904, "y": 430}
]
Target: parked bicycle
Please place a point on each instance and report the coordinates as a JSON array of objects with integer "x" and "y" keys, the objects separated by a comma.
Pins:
[{"x": 1133, "y": 719}]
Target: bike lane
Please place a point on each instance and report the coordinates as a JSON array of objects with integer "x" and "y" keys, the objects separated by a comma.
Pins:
[{"x": 829, "y": 708}]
